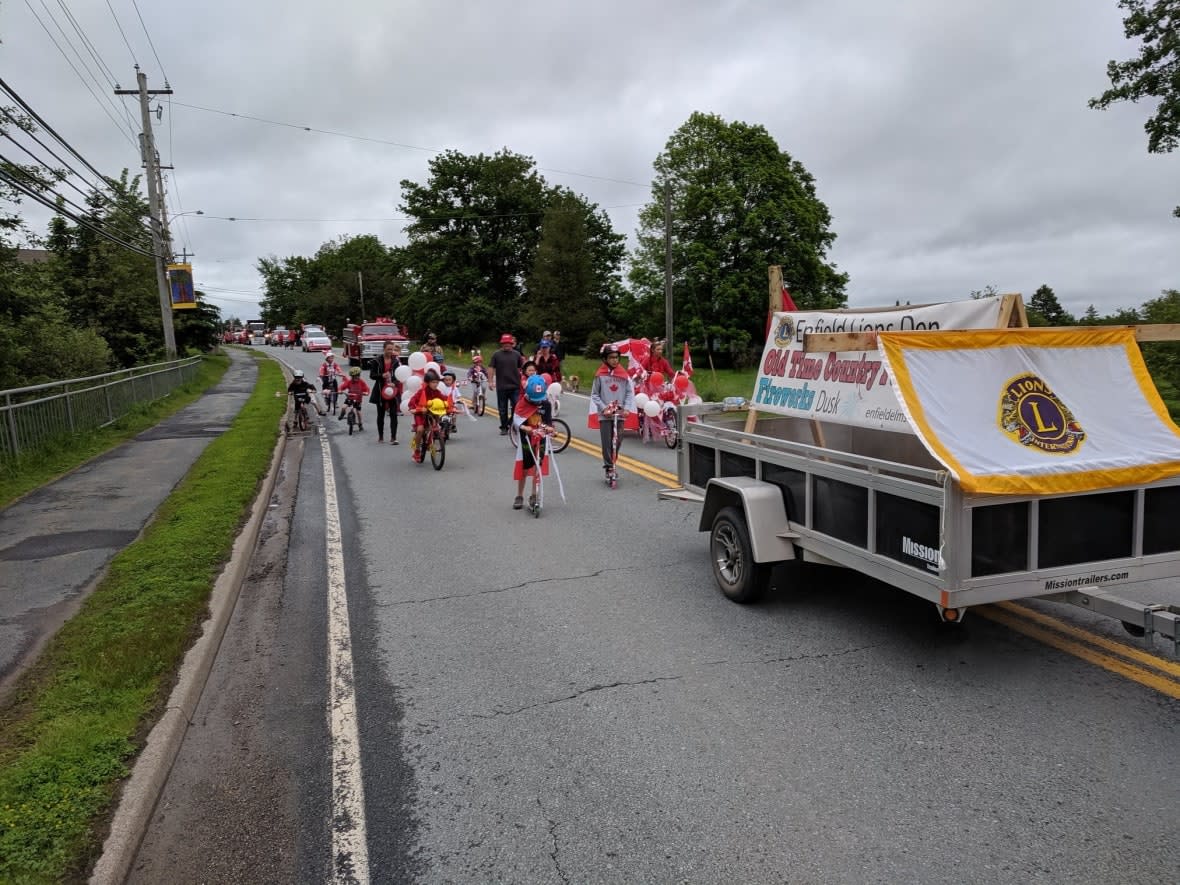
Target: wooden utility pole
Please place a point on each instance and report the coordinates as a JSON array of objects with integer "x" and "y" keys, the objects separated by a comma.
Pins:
[
  {"x": 667, "y": 269},
  {"x": 160, "y": 237}
]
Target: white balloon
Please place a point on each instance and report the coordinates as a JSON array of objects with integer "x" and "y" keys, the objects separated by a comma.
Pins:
[
  {"x": 652, "y": 408},
  {"x": 413, "y": 383},
  {"x": 432, "y": 366},
  {"x": 444, "y": 389},
  {"x": 417, "y": 360},
  {"x": 641, "y": 400},
  {"x": 401, "y": 373},
  {"x": 554, "y": 389}
]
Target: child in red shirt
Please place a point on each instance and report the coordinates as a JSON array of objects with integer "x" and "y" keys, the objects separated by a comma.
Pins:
[
  {"x": 354, "y": 390},
  {"x": 420, "y": 406}
]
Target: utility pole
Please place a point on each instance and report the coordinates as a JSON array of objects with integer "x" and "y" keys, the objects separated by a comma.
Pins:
[
  {"x": 155, "y": 204},
  {"x": 360, "y": 281},
  {"x": 668, "y": 344}
]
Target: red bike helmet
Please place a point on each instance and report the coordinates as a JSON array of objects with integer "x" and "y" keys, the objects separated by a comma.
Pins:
[{"x": 506, "y": 339}]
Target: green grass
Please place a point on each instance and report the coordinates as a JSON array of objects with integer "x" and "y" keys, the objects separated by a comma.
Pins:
[
  {"x": 76, "y": 719},
  {"x": 58, "y": 456}
]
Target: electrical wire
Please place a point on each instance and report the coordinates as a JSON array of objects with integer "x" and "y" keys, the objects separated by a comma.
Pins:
[
  {"x": 134, "y": 60},
  {"x": 69, "y": 147},
  {"x": 150, "y": 43},
  {"x": 78, "y": 73},
  {"x": 412, "y": 147},
  {"x": 94, "y": 53},
  {"x": 4, "y": 174}
]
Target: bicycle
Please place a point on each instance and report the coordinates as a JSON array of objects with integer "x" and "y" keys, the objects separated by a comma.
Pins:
[
  {"x": 662, "y": 424},
  {"x": 302, "y": 419},
  {"x": 560, "y": 437},
  {"x": 352, "y": 414},
  {"x": 538, "y": 454},
  {"x": 433, "y": 440},
  {"x": 479, "y": 395},
  {"x": 331, "y": 393}
]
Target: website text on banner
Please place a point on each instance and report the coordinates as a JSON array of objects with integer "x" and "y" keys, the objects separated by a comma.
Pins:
[{"x": 851, "y": 387}]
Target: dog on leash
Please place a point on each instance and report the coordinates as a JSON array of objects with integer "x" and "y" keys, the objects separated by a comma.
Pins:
[{"x": 570, "y": 383}]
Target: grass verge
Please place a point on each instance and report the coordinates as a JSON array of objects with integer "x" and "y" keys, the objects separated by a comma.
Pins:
[
  {"x": 79, "y": 715},
  {"x": 26, "y": 472}
]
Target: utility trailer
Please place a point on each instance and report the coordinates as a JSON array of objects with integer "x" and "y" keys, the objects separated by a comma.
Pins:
[{"x": 784, "y": 487}]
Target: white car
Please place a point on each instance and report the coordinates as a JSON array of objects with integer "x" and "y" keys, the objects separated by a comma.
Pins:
[{"x": 316, "y": 341}]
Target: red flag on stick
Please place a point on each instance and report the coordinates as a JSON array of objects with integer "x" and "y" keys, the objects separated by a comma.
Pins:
[
  {"x": 686, "y": 366},
  {"x": 788, "y": 301}
]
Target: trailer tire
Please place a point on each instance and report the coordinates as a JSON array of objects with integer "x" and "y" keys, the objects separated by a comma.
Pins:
[{"x": 738, "y": 576}]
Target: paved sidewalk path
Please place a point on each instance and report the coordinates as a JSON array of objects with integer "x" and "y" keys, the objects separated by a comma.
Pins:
[{"x": 57, "y": 540}]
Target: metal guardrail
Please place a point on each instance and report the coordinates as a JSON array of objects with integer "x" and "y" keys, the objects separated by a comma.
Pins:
[{"x": 30, "y": 416}]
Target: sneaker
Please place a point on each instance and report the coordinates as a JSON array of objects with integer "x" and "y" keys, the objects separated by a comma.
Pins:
[
  {"x": 417, "y": 458},
  {"x": 380, "y": 439},
  {"x": 393, "y": 442},
  {"x": 518, "y": 501},
  {"x": 503, "y": 431}
]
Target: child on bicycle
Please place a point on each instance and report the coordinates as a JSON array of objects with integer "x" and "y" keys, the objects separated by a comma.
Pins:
[
  {"x": 354, "y": 390},
  {"x": 330, "y": 376},
  {"x": 612, "y": 394},
  {"x": 533, "y": 419},
  {"x": 420, "y": 408},
  {"x": 455, "y": 402},
  {"x": 303, "y": 390}
]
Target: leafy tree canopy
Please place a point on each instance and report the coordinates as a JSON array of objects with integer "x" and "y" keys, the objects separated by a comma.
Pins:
[
  {"x": 1155, "y": 73},
  {"x": 738, "y": 204}
]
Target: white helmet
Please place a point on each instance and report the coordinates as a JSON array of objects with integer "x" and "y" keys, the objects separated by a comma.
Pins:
[{"x": 298, "y": 373}]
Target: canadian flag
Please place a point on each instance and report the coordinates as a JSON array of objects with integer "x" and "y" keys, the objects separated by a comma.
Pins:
[{"x": 686, "y": 366}]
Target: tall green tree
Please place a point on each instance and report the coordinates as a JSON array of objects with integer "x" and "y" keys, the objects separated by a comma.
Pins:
[
  {"x": 473, "y": 238},
  {"x": 1154, "y": 74},
  {"x": 1045, "y": 310},
  {"x": 738, "y": 204},
  {"x": 575, "y": 275}
]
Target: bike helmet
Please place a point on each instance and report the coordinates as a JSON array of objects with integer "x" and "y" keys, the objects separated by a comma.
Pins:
[
  {"x": 610, "y": 350},
  {"x": 298, "y": 373},
  {"x": 430, "y": 376},
  {"x": 535, "y": 389},
  {"x": 506, "y": 339},
  {"x": 355, "y": 372},
  {"x": 449, "y": 374}
]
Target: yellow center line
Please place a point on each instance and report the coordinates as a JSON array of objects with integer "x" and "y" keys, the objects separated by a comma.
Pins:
[
  {"x": 1172, "y": 668},
  {"x": 1156, "y": 681}
]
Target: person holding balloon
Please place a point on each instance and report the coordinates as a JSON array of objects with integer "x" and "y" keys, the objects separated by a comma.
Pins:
[
  {"x": 387, "y": 390},
  {"x": 657, "y": 364}
]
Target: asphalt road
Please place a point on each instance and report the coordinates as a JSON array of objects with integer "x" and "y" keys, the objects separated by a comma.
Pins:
[{"x": 570, "y": 699}]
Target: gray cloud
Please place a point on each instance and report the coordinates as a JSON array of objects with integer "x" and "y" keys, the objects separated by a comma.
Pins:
[{"x": 952, "y": 142}]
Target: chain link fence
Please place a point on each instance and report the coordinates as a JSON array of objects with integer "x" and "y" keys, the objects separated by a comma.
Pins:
[{"x": 33, "y": 415}]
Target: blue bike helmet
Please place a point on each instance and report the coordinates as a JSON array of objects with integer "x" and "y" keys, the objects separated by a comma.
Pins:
[{"x": 535, "y": 389}]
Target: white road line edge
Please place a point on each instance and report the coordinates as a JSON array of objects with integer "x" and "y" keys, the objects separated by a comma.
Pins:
[{"x": 350, "y": 852}]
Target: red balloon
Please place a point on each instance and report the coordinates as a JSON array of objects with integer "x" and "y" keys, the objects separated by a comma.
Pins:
[
  {"x": 680, "y": 382},
  {"x": 548, "y": 378},
  {"x": 657, "y": 379}
]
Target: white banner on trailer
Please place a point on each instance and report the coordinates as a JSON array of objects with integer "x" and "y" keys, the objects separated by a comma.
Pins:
[
  {"x": 1035, "y": 411},
  {"x": 851, "y": 387}
]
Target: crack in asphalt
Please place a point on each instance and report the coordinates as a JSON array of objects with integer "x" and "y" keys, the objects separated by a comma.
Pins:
[
  {"x": 595, "y": 574},
  {"x": 574, "y": 696},
  {"x": 556, "y": 848}
]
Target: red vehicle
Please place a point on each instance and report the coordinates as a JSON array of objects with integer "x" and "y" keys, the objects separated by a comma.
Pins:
[
  {"x": 364, "y": 342},
  {"x": 281, "y": 336}
]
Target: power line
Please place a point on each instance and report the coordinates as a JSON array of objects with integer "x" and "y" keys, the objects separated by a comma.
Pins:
[
  {"x": 134, "y": 60},
  {"x": 69, "y": 147},
  {"x": 94, "y": 53},
  {"x": 412, "y": 147},
  {"x": 466, "y": 216},
  {"x": 74, "y": 67},
  {"x": 80, "y": 221},
  {"x": 150, "y": 43}
]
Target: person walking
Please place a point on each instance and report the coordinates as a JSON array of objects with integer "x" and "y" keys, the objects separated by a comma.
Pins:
[
  {"x": 612, "y": 396},
  {"x": 504, "y": 375},
  {"x": 382, "y": 375},
  {"x": 547, "y": 363}
]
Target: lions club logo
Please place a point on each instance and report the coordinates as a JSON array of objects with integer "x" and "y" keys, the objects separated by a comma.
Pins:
[
  {"x": 1032, "y": 415},
  {"x": 784, "y": 332}
]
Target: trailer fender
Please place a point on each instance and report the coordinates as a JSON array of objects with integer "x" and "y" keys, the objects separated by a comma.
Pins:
[{"x": 766, "y": 515}]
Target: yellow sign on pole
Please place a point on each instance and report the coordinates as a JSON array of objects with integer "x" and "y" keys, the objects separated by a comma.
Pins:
[{"x": 180, "y": 281}]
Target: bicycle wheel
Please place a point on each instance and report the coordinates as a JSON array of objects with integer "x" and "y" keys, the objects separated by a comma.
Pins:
[
  {"x": 351, "y": 420},
  {"x": 480, "y": 404},
  {"x": 513, "y": 436},
  {"x": 301, "y": 419},
  {"x": 561, "y": 435},
  {"x": 671, "y": 434},
  {"x": 438, "y": 450}
]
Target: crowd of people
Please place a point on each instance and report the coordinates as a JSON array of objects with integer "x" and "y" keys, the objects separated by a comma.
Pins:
[{"x": 524, "y": 388}]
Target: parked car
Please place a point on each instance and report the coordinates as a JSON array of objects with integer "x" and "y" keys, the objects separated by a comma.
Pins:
[
  {"x": 316, "y": 341},
  {"x": 280, "y": 336}
]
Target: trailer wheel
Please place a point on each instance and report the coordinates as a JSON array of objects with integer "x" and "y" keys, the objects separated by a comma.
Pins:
[{"x": 740, "y": 578}]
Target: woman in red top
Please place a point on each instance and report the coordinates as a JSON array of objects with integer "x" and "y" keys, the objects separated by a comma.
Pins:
[
  {"x": 382, "y": 376},
  {"x": 547, "y": 363},
  {"x": 657, "y": 362}
]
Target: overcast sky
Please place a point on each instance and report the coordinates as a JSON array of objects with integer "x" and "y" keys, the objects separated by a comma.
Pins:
[{"x": 951, "y": 141}]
